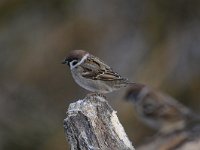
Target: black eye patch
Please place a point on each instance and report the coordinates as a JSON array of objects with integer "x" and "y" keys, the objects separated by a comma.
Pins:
[
  {"x": 74, "y": 62},
  {"x": 68, "y": 60}
]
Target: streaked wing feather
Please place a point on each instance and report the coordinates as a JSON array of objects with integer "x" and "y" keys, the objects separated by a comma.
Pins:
[
  {"x": 168, "y": 108},
  {"x": 108, "y": 76},
  {"x": 97, "y": 70}
]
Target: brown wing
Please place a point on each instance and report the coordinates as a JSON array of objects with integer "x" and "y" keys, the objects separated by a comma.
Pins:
[
  {"x": 108, "y": 75},
  {"x": 97, "y": 70},
  {"x": 176, "y": 110},
  {"x": 165, "y": 107}
]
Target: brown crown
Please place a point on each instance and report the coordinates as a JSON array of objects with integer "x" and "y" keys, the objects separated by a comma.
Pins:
[
  {"x": 134, "y": 91},
  {"x": 75, "y": 54}
]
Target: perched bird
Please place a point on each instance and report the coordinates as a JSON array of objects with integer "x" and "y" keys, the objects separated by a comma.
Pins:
[
  {"x": 92, "y": 73},
  {"x": 158, "y": 110}
]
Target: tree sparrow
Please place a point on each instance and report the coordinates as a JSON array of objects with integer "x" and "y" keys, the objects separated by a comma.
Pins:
[
  {"x": 159, "y": 111},
  {"x": 92, "y": 73}
]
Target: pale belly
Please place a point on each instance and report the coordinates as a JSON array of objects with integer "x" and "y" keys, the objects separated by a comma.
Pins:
[{"x": 92, "y": 85}]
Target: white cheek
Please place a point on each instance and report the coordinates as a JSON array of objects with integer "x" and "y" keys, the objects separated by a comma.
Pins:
[
  {"x": 79, "y": 63},
  {"x": 71, "y": 64}
]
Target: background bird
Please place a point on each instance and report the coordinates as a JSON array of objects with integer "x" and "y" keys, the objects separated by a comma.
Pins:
[{"x": 158, "y": 110}]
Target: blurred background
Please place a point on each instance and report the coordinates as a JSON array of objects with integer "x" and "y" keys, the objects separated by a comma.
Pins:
[{"x": 154, "y": 42}]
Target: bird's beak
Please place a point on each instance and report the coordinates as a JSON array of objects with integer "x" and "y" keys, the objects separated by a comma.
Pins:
[{"x": 64, "y": 61}]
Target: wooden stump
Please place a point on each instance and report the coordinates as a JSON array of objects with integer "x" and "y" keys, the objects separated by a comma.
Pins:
[{"x": 92, "y": 124}]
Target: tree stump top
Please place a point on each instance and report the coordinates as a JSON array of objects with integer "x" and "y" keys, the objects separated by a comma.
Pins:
[{"x": 91, "y": 123}]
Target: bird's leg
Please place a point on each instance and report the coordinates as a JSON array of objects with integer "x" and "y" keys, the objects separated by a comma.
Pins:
[
  {"x": 96, "y": 94},
  {"x": 101, "y": 95}
]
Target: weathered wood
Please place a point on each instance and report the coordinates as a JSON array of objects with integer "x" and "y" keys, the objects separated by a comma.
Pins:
[{"x": 92, "y": 124}]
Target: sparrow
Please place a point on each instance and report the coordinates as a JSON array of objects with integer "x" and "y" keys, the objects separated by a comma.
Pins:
[
  {"x": 158, "y": 110},
  {"x": 93, "y": 74}
]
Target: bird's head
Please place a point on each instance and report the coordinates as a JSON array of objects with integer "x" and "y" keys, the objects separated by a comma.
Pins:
[
  {"x": 133, "y": 92},
  {"x": 75, "y": 58}
]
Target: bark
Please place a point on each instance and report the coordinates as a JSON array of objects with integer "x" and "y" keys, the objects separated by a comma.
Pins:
[{"x": 92, "y": 124}]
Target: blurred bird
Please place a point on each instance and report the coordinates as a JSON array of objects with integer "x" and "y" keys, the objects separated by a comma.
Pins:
[
  {"x": 92, "y": 73},
  {"x": 158, "y": 110}
]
